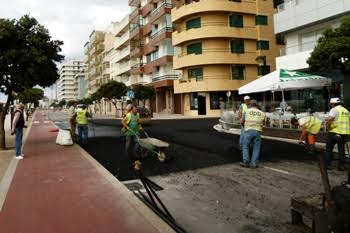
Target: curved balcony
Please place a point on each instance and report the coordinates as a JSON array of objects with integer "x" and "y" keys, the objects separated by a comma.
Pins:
[
  {"x": 209, "y": 83},
  {"x": 214, "y": 30},
  {"x": 214, "y": 56},
  {"x": 247, "y": 7}
]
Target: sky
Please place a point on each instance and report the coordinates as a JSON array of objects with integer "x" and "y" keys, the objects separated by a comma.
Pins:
[{"x": 71, "y": 21}]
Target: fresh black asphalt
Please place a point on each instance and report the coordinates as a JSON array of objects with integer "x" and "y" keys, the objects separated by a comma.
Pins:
[{"x": 194, "y": 144}]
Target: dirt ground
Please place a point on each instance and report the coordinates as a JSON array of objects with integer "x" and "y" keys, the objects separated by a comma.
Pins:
[{"x": 205, "y": 189}]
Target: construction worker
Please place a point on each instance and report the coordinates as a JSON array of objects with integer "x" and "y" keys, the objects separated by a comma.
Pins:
[
  {"x": 310, "y": 127},
  {"x": 253, "y": 120},
  {"x": 241, "y": 111},
  {"x": 132, "y": 126},
  {"x": 81, "y": 117},
  {"x": 338, "y": 126},
  {"x": 73, "y": 123}
]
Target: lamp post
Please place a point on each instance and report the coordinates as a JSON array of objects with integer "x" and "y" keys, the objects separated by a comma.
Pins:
[{"x": 262, "y": 59}]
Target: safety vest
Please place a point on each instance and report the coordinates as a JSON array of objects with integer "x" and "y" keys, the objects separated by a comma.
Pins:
[
  {"x": 81, "y": 117},
  {"x": 254, "y": 119},
  {"x": 133, "y": 123},
  {"x": 244, "y": 108},
  {"x": 341, "y": 125},
  {"x": 312, "y": 125}
]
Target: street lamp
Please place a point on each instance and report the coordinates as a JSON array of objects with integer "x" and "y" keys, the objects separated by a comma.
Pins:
[{"x": 262, "y": 59}]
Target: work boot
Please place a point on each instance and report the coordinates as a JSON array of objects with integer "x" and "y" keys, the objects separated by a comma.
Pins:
[
  {"x": 253, "y": 166},
  {"x": 244, "y": 164}
]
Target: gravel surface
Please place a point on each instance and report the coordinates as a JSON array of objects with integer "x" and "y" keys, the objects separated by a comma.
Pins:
[{"x": 204, "y": 187}]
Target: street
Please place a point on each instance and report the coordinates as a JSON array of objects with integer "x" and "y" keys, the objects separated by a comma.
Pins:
[{"x": 204, "y": 187}]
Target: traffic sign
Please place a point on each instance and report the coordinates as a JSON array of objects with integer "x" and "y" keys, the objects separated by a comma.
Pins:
[
  {"x": 228, "y": 93},
  {"x": 131, "y": 94}
]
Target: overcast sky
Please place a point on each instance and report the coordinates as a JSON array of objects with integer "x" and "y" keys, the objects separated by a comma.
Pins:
[{"x": 71, "y": 21}]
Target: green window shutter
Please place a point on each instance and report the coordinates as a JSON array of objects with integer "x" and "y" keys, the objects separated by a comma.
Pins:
[
  {"x": 194, "y": 48},
  {"x": 237, "y": 46},
  {"x": 262, "y": 45},
  {"x": 196, "y": 73},
  {"x": 236, "y": 21},
  {"x": 193, "y": 23},
  {"x": 261, "y": 20},
  {"x": 238, "y": 72},
  {"x": 261, "y": 70}
]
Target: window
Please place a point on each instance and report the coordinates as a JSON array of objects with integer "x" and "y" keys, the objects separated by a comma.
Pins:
[
  {"x": 260, "y": 20},
  {"x": 196, "y": 73},
  {"x": 193, "y": 23},
  {"x": 262, "y": 45},
  {"x": 238, "y": 72},
  {"x": 217, "y": 100},
  {"x": 195, "y": 48},
  {"x": 236, "y": 21},
  {"x": 194, "y": 101},
  {"x": 261, "y": 70},
  {"x": 235, "y": 0},
  {"x": 237, "y": 46}
]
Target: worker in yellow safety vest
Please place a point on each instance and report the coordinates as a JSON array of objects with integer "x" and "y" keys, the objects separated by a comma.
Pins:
[
  {"x": 241, "y": 111},
  {"x": 253, "y": 120},
  {"x": 338, "y": 126},
  {"x": 310, "y": 127},
  {"x": 81, "y": 117}
]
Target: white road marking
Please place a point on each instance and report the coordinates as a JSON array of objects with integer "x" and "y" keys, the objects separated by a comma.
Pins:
[
  {"x": 277, "y": 170},
  {"x": 46, "y": 122},
  {"x": 36, "y": 122}
]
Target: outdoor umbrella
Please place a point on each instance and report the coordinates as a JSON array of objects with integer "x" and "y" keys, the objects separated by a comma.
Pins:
[{"x": 281, "y": 80}]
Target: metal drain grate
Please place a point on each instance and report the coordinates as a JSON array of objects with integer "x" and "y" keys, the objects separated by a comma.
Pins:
[{"x": 134, "y": 186}]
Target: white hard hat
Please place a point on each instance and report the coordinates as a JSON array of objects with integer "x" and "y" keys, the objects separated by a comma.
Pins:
[
  {"x": 246, "y": 97},
  {"x": 334, "y": 101}
]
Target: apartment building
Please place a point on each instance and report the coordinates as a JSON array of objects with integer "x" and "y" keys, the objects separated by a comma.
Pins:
[
  {"x": 220, "y": 45},
  {"x": 120, "y": 58},
  {"x": 94, "y": 60},
  {"x": 66, "y": 85},
  {"x": 151, "y": 55},
  {"x": 81, "y": 85},
  {"x": 301, "y": 23}
]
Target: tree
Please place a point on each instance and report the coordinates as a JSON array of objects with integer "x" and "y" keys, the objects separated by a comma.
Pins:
[
  {"x": 70, "y": 103},
  {"x": 28, "y": 58},
  {"x": 112, "y": 89},
  {"x": 62, "y": 103},
  {"x": 31, "y": 96},
  {"x": 143, "y": 93},
  {"x": 332, "y": 48},
  {"x": 86, "y": 101}
]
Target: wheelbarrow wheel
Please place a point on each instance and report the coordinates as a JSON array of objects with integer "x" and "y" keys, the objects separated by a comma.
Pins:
[{"x": 161, "y": 156}]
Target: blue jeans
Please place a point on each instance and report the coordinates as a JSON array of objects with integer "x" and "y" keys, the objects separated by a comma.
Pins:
[
  {"x": 333, "y": 139},
  {"x": 18, "y": 141},
  {"x": 241, "y": 137},
  {"x": 131, "y": 146},
  {"x": 252, "y": 138},
  {"x": 83, "y": 134}
]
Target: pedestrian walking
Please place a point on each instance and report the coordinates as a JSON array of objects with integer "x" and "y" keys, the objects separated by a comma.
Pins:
[
  {"x": 310, "y": 127},
  {"x": 72, "y": 120},
  {"x": 252, "y": 121},
  {"x": 132, "y": 128},
  {"x": 81, "y": 117},
  {"x": 338, "y": 126},
  {"x": 241, "y": 111},
  {"x": 18, "y": 124}
]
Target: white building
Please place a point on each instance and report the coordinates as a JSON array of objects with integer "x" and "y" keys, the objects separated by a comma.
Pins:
[
  {"x": 301, "y": 23},
  {"x": 81, "y": 85},
  {"x": 66, "y": 83}
]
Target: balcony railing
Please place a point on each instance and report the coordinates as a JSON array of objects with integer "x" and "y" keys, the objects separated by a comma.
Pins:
[
  {"x": 164, "y": 5},
  {"x": 161, "y": 31},
  {"x": 157, "y": 77}
]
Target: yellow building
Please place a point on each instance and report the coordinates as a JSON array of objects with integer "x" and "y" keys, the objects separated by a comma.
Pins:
[{"x": 220, "y": 45}]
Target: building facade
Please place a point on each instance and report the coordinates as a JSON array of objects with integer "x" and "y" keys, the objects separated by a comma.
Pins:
[
  {"x": 301, "y": 23},
  {"x": 81, "y": 85},
  {"x": 151, "y": 55},
  {"x": 220, "y": 45},
  {"x": 66, "y": 85}
]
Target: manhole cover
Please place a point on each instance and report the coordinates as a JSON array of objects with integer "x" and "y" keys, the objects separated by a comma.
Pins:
[{"x": 134, "y": 186}]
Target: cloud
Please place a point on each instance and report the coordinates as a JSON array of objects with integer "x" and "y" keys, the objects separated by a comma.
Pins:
[{"x": 71, "y": 21}]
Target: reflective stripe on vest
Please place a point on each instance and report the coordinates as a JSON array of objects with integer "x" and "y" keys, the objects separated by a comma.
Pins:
[
  {"x": 81, "y": 117},
  {"x": 254, "y": 119},
  {"x": 341, "y": 125},
  {"x": 312, "y": 125}
]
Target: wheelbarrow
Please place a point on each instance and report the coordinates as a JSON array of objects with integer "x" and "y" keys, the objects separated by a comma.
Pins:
[{"x": 152, "y": 145}]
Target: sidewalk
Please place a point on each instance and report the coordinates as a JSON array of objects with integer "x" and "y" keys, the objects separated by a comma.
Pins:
[{"x": 58, "y": 189}]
